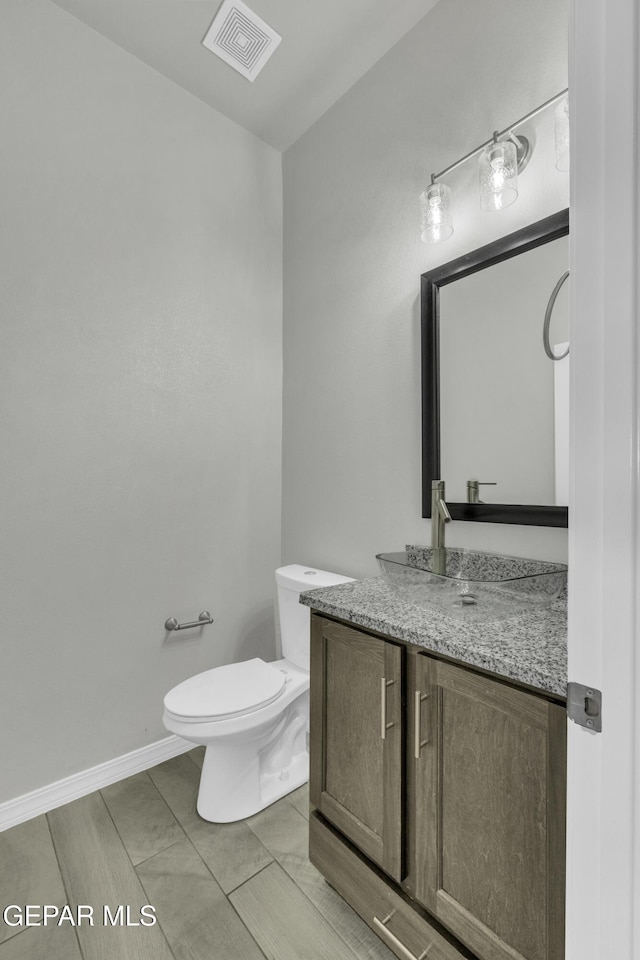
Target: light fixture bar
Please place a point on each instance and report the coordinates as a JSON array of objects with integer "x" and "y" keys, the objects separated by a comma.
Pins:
[{"x": 499, "y": 135}]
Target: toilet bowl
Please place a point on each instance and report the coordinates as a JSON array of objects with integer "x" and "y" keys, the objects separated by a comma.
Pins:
[{"x": 253, "y": 716}]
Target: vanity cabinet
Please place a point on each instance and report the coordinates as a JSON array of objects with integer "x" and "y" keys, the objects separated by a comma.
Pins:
[
  {"x": 439, "y": 797},
  {"x": 356, "y": 725}
]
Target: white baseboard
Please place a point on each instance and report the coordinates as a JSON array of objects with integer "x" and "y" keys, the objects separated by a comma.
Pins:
[{"x": 80, "y": 784}]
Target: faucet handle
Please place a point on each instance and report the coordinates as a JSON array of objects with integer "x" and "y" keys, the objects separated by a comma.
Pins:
[{"x": 473, "y": 491}]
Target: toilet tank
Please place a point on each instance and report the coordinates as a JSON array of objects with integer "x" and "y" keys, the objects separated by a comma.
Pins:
[{"x": 294, "y": 618}]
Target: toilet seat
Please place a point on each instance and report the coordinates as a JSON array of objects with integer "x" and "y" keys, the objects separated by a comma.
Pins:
[{"x": 224, "y": 692}]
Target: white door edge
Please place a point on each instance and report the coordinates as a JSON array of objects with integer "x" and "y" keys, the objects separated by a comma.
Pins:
[{"x": 603, "y": 816}]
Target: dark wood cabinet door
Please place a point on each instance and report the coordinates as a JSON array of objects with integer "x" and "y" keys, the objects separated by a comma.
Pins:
[
  {"x": 487, "y": 769},
  {"x": 356, "y": 738}
]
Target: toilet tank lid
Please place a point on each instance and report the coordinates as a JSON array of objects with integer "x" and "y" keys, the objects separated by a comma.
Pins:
[{"x": 300, "y": 578}]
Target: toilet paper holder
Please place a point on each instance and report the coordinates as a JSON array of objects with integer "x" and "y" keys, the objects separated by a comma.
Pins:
[{"x": 204, "y": 618}]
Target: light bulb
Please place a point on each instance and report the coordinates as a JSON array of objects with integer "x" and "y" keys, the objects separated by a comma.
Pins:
[
  {"x": 498, "y": 171},
  {"x": 435, "y": 214}
]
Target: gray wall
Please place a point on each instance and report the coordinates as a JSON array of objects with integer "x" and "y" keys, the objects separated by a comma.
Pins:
[
  {"x": 140, "y": 379},
  {"x": 353, "y": 257}
]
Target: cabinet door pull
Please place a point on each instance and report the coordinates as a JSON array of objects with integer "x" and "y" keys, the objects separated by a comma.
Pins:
[
  {"x": 395, "y": 942},
  {"x": 418, "y": 744},
  {"x": 384, "y": 726}
]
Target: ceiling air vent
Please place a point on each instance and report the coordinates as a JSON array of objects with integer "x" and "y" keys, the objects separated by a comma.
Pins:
[{"x": 240, "y": 38}]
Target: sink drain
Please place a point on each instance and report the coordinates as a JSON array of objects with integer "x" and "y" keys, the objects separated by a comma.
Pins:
[{"x": 468, "y": 599}]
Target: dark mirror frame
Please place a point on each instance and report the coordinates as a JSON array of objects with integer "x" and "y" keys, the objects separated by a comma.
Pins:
[{"x": 534, "y": 235}]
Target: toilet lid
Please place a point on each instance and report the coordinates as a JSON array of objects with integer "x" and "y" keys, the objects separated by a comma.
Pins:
[{"x": 226, "y": 691}]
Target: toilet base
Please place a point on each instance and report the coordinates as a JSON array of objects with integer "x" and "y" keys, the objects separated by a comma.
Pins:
[
  {"x": 248, "y": 793},
  {"x": 244, "y": 774},
  {"x": 274, "y": 786}
]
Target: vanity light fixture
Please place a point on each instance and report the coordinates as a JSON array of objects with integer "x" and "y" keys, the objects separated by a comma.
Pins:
[{"x": 501, "y": 160}]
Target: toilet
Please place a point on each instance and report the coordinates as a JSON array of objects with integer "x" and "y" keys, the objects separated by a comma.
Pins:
[{"x": 253, "y": 716}]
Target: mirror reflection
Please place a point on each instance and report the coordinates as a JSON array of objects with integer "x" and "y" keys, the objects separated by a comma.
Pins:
[{"x": 504, "y": 405}]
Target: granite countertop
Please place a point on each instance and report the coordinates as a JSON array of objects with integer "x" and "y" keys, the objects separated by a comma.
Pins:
[{"x": 530, "y": 648}]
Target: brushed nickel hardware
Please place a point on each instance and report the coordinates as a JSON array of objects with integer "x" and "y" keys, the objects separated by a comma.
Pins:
[
  {"x": 584, "y": 706},
  {"x": 439, "y": 516},
  {"x": 547, "y": 321},
  {"x": 418, "y": 743},
  {"x": 500, "y": 134},
  {"x": 204, "y": 618},
  {"x": 396, "y": 943},
  {"x": 473, "y": 489},
  {"x": 384, "y": 726}
]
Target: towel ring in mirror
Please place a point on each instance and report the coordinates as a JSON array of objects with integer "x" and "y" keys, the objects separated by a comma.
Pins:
[{"x": 547, "y": 321}]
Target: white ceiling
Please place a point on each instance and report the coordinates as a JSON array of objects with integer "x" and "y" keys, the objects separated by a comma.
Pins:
[{"x": 326, "y": 46}]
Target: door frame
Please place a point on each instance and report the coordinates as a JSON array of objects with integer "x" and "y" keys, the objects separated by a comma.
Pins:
[{"x": 603, "y": 815}]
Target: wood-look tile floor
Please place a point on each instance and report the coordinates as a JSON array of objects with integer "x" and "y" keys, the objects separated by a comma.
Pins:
[{"x": 239, "y": 891}]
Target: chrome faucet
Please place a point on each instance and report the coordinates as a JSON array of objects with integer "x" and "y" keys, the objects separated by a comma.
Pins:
[{"x": 439, "y": 516}]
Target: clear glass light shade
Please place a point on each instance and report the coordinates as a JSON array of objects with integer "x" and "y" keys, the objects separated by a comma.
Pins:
[
  {"x": 498, "y": 175},
  {"x": 562, "y": 134},
  {"x": 435, "y": 213}
]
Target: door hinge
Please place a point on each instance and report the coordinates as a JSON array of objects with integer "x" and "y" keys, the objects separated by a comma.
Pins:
[{"x": 584, "y": 706}]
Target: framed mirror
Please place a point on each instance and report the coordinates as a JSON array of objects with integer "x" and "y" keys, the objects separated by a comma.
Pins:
[{"x": 495, "y": 406}]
